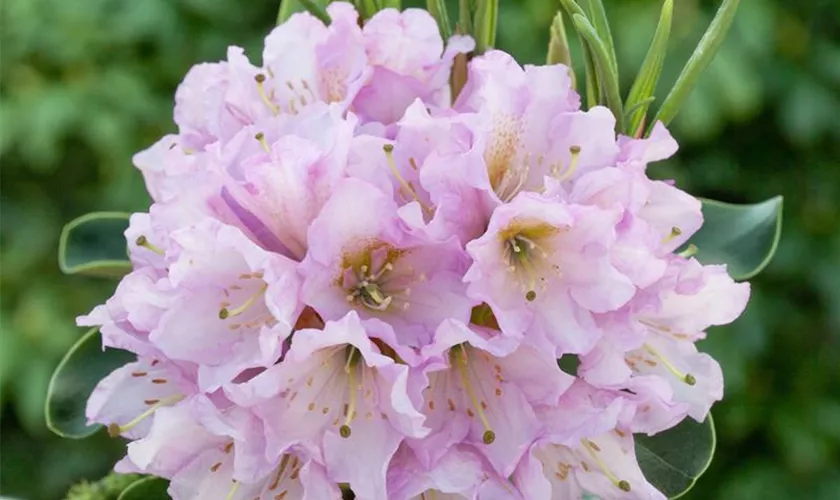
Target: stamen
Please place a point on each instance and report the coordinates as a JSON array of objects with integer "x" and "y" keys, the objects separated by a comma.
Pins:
[
  {"x": 232, "y": 491},
  {"x": 142, "y": 241},
  {"x": 688, "y": 252},
  {"x": 261, "y": 138},
  {"x": 260, "y": 79},
  {"x": 573, "y": 164},
  {"x": 462, "y": 361},
  {"x": 675, "y": 232},
  {"x": 349, "y": 368},
  {"x": 520, "y": 246},
  {"x": 389, "y": 154},
  {"x": 688, "y": 378},
  {"x": 593, "y": 449},
  {"x": 225, "y": 313},
  {"x": 115, "y": 430}
]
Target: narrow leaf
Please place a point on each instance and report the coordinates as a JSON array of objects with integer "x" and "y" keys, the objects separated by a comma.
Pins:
[
  {"x": 607, "y": 78},
  {"x": 314, "y": 7},
  {"x": 744, "y": 237},
  {"x": 148, "y": 488},
  {"x": 392, "y": 4},
  {"x": 673, "y": 460},
  {"x": 558, "y": 46},
  {"x": 94, "y": 245},
  {"x": 437, "y": 8},
  {"x": 698, "y": 62},
  {"x": 465, "y": 14},
  {"x": 82, "y": 367},
  {"x": 593, "y": 93},
  {"x": 641, "y": 94},
  {"x": 486, "y": 18},
  {"x": 602, "y": 27}
]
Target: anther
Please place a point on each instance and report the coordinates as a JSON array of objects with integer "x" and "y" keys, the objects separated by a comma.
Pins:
[
  {"x": 688, "y": 252},
  {"x": 260, "y": 137},
  {"x": 225, "y": 313},
  {"x": 142, "y": 241},
  {"x": 675, "y": 232}
]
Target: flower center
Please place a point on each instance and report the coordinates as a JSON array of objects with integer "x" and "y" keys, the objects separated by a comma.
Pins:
[
  {"x": 525, "y": 252},
  {"x": 372, "y": 279}
]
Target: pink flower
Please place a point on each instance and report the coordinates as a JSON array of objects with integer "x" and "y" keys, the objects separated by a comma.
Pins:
[
  {"x": 655, "y": 337},
  {"x": 126, "y": 400},
  {"x": 363, "y": 259},
  {"x": 544, "y": 267},
  {"x": 337, "y": 392},
  {"x": 346, "y": 278},
  {"x": 234, "y": 303},
  {"x": 531, "y": 126},
  {"x": 409, "y": 62},
  {"x": 459, "y": 474},
  {"x": 125, "y": 320},
  {"x": 481, "y": 391}
]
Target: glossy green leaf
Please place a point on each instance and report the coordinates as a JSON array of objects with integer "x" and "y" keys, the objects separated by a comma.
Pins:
[
  {"x": 644, "y": 86},
  {"x": 744, "y": 237},
  {"x": 673, "y": 460},
  {"x": 484, "y": 26},
  {"x": 607, "y": 78},
  {"x": 315, "y": 7},
  {"x": 148, "y": 488},
  {"x": 698, "y": 62},
  {"x": 437, "y": 8},
  {"x": 94, "y": 245},
  {"x": 82, "y": 367}
]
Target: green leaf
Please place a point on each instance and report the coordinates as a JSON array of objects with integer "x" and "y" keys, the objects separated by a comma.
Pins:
[
  {"x": 641, "y": 93},
  {"x": 558, "y": 46},
  {"x": 744, "y": 237},
  {"x": 593, "y": 95},
  {"x": 82, "y": 367},
  {"x": 486, "y": 18},
  {"x": 602, "y": 27},
  {"x": 314, "y": 7},
  {"x": 697, "y": 63},
  {"x": 437, "y": 8},
  {"x": 465, "y": 14},
  {"x": 148, "y": 488},
  {"x": 673, "y": 460},
  {"x": 607, "y": 78},
  {"x": 94, "y": 245}
]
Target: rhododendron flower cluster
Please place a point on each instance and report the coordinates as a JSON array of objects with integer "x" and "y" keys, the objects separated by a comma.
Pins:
[{"x": 346, "y": 278}]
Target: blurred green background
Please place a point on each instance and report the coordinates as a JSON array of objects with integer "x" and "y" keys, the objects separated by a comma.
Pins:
[{"x": 87, "y": 83}]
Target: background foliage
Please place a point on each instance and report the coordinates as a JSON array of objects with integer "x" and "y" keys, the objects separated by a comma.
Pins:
[{"x": 87, "y": 83}]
